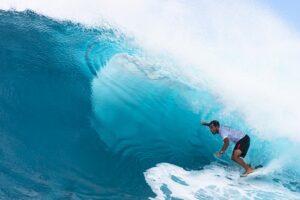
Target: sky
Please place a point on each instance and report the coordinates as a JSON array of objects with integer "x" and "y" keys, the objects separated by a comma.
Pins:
[{"x": 288, "y": 10}]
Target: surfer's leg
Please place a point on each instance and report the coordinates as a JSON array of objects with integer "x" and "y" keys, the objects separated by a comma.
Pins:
[{"x": 236, "y": 157}]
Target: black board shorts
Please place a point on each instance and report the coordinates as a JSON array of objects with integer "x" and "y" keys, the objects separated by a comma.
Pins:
[{"x": 243, "y": 145}]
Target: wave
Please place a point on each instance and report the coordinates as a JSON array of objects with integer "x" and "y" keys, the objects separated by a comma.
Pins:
[
  {"x": 100, "y": 102},
  {"x": 244, "y": 76}
]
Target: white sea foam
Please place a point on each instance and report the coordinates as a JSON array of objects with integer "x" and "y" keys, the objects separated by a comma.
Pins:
[
  {"x": 241, "y": 51},
  {"x": 213, "y": 182}
]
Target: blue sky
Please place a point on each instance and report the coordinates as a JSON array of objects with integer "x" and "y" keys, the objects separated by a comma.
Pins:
[{"x": 289, "y": 10}]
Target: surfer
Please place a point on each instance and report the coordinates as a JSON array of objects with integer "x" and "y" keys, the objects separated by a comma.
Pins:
[{"x": 241, "y": 140}]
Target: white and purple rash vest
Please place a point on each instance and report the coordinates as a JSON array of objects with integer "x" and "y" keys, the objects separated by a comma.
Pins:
[{"x": 231, "y": 134}]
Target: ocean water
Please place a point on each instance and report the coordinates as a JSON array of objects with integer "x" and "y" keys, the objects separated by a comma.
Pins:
[{"x": 101, "y": 103}]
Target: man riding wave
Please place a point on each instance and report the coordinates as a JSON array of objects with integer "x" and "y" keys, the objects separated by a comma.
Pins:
[{"x": 241, "y": 140}]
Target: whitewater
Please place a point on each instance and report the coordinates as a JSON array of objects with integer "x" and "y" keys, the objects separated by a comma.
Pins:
[{"x": 104, "y": 99}]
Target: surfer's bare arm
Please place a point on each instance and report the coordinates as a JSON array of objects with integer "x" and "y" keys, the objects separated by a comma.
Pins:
[
  {"x": 205, "y": 123},
  {"x": 225, "y": 146}
]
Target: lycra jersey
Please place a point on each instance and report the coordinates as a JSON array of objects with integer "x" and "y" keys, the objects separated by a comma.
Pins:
[{"x": 231, "y": 134}]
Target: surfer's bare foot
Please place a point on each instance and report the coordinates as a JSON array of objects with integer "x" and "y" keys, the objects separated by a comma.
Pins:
[{"x": 248, "y": 171}]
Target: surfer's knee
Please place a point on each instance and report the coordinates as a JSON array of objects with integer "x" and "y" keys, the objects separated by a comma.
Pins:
[{"x": 233, "y": 157}]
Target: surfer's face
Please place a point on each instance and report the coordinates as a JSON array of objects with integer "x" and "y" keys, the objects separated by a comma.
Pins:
[{"x": 213, "y": 129}]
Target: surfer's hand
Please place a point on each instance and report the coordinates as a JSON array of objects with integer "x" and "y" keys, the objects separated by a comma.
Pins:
[{"x": 218, "y": 154}]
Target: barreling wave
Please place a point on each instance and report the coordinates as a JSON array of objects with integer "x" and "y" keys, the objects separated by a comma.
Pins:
[{"x": 89, "y": 111}]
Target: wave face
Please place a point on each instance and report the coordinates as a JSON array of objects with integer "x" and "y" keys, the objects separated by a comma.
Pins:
[
  {"x": 87, "y": 113},
  {"x": 49, "y": 150}
]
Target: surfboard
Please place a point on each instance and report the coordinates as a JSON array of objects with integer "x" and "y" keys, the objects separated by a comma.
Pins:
[{"x": 256, "y": 169}]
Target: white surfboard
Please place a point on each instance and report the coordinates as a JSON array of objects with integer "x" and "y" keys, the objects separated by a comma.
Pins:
[{"x": 257, "y": 169}]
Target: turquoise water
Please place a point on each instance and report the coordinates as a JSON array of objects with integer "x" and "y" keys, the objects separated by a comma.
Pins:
[{"x": 88, "y": 114}]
